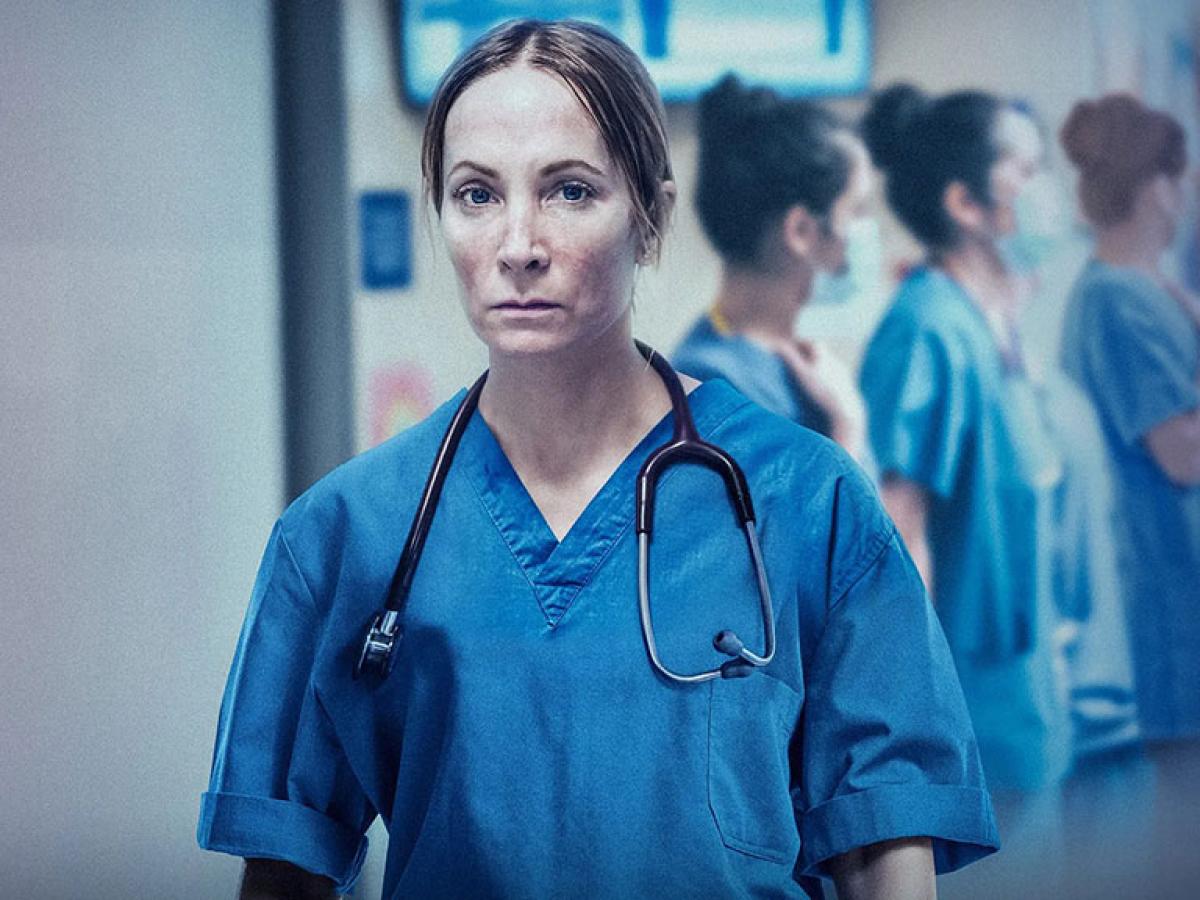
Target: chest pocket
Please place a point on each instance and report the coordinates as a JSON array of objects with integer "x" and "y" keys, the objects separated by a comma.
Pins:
[{"x": 750, "y": 723}]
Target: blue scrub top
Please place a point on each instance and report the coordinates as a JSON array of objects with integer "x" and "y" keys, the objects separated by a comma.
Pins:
[
  {"x": 523, "y": 746},
  {"x": 1088, "y": 586},
  {"x": 948, "y": 412},
  {"x": 1136, "y": 354},
  {"x": 706, "y": 353}
]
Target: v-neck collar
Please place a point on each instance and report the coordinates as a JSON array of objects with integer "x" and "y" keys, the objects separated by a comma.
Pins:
[{"x": 558, "y": 570}]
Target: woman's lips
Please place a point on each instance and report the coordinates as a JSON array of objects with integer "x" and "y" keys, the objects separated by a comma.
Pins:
[{"x": 526, "y": 306}]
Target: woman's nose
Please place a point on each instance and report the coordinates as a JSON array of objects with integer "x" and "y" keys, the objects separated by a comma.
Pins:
[{"x": 522, "y": 249}]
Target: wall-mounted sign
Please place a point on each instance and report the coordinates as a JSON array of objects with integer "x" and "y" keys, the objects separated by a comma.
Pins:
[{"x": 385, "y": 240}]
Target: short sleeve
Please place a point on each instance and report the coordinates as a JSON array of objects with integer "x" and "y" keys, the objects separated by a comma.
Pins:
[
  {"x": 1140, "y": 372},
  {"x": 887, "y": 742},
  {"x": 281, "y": 787},
  {"x": 917, "y": 404}
]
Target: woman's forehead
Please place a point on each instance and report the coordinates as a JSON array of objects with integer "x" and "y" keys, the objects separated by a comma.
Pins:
[
  {"x": 520, "y": 115},
  {"x": 1017, "y": 135}
]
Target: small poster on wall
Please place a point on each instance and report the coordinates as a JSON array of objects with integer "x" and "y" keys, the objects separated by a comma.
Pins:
[
  {"x": 399, "y": 395},
  {"x": 385, "y": 240}
]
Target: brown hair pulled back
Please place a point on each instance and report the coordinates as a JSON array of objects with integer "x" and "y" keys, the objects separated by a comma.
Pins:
[
  {"x": 606, "y": 77},
  {"x": 1119, "y": 144}
]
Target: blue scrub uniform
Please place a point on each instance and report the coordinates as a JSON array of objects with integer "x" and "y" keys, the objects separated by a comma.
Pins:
[
  {"x": 948, "y": 412},
  {"x": 1137, "y": 355},
  {"x": 706, "y": 353},
  {"x": 524, "y": 746}
]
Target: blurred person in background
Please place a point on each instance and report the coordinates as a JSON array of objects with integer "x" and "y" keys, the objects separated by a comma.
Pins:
[
  {"x": 782, "y": 190},
  {"x": 970, "y": 469},
  {"x": 1131, "y": 339},
  {"x": 1105, "y": 797}
]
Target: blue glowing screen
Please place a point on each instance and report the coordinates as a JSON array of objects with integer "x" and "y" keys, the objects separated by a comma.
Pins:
[{"x": 796, "y": 46}]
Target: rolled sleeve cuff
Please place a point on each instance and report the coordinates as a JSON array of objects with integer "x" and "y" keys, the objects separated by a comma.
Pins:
[
  {"x": 1159, "y": 407},
  {"x": 958, "y": 820},
  {"x": 265, "y": 828}
]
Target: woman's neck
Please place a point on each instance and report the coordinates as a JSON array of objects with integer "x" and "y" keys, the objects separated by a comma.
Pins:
[
  {"x": 756, "y": 303},
  {"x": 980, "y": 272},
  {"x": 1128, "y": 245},
  {"x": 561, "y": 416}
]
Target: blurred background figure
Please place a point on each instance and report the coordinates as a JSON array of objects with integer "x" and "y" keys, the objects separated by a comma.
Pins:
[
  {"x": 970, "y": 468},
  {"x": 782, "y": 191},
  {"x": 1131, "y": 339}
]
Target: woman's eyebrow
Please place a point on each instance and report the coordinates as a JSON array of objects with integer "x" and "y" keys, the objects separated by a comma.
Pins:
[
  {"x": 561, "y": 165},
  {"x": 467, "y": 164}
]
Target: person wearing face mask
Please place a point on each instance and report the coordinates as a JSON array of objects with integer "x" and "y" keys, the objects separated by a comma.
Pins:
[
  {"x": 969, "y": 467},
  {"x": 782, "y": 187},
  {"x": 1131, "y": 340}
]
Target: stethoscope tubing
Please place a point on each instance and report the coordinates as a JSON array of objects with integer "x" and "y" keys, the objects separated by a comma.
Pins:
[{"x": 385, "y": 631}]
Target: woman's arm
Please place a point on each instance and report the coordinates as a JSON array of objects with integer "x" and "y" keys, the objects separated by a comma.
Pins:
[
  {"x": 271, "y": 879},
  {"x": 891, "y": 870},
  {"x": 908, "y": 504},
  {"x": 1175, "y": 444},
  {"x": 1175, "y": 447}
]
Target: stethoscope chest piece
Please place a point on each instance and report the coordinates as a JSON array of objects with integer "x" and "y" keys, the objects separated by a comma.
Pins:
[{"x": 379, "y": 649}]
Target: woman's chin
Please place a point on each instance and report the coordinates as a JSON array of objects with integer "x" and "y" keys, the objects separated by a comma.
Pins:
[{"x": 525, "y": 343}]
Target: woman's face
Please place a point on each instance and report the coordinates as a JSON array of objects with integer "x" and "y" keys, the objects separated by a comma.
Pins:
[
  {"x": 1164, "y": 205},
  {"x": 536, "y": 215},
  {"x": 1021, "y": 151},
  {"x": 849, "y": 210}
]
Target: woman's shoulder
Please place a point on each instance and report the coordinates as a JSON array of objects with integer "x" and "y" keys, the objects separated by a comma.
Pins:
[
  {"x": 931, "y": 300},
  {"x": 1114, "y": 301},
  {"x": 783, "y": 455},
  {"x": 706, "y": 353},
  {"x": 928, "y": 311},
  {"x": 391, "y": 474}
]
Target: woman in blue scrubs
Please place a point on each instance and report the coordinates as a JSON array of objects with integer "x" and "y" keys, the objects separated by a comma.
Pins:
[
  {"x": 969, "y": 467},
  {"x": 782, "y": 190},
  {"x": 1131, "y": 339},
  {"x": 523, "y": 745}
]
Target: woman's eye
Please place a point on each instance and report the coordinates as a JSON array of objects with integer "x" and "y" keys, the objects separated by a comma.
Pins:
[
  {"x": 575, "y": 191},
  {"x": 473, "y": 196}
]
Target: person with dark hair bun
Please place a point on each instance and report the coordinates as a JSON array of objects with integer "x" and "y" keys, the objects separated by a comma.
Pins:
[
  {"x": 1131, "y": 340},
  {"x": 782, "y": 189},
  {"x": 969, "y": 467}
]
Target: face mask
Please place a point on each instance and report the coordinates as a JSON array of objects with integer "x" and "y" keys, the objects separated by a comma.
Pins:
[
  {"x": 1041, "y": 225},
  {"x": 860, "y": 274}
]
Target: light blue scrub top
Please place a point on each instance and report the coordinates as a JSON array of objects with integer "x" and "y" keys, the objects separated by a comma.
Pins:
[
  {"x": 756, "y": 372},
  {"x": 523, "y": 746},
  {"x": 1137, "y": 355},
  {"x": 946, "y": 411},
  {"x": 1088, "y": 587}
]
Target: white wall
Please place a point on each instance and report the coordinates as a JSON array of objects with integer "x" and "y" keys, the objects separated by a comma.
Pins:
[{"x": 139, "y": 426}]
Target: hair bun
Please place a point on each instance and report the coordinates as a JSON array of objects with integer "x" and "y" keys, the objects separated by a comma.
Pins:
[
  {"x": 729, "y": 107},
  {"x": 1083, "y": 136},
  {"x": 888, "y": 124}
]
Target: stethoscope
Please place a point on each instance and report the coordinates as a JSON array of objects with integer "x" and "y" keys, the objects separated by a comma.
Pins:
[{"x": 378, "y": 650}]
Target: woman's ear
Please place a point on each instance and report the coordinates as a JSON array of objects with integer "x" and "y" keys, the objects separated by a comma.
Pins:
[
  {"x": 962, "y": 207},
  {"x": 800, "y": 231},
  {"x": 668, "y": 194},
  {"x": 651, "y": 243}
]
